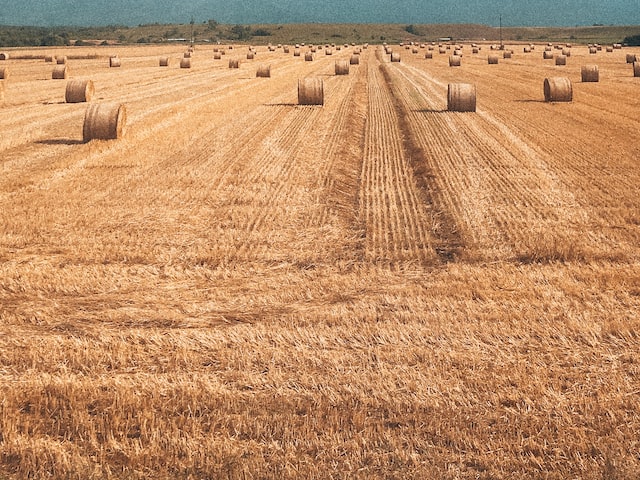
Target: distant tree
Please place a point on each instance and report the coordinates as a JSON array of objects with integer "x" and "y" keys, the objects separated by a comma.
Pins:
[
  {"x": 212, "y": 24},
  {"x": 411, "y": 29},
  {"x": 261, "y": 32},
  {"x": 240, "y": 32},
  {"x": 633, "y": 40}
]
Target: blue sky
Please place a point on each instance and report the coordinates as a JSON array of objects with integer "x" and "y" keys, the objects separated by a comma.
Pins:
[{"x": 133, "y": 12}]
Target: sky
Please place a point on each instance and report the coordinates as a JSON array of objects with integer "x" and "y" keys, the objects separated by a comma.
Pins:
[{"x": 488, "y": 12}]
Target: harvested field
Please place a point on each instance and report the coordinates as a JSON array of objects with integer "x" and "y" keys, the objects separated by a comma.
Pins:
[{"x": 245, "y": 287}]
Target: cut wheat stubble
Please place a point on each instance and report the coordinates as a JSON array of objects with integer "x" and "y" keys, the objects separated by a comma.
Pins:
[
  {"x": 104, "y": 121},
  {"x": 79, "y": 91}
]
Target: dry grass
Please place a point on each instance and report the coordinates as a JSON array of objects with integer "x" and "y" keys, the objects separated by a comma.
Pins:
[{"x": 378, "y": 288}]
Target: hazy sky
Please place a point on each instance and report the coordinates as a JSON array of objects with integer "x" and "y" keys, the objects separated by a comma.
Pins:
[{"x": 133, "y": 12}]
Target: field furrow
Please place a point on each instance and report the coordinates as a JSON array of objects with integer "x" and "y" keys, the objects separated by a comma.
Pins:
[{"x": 397, "y": 222}]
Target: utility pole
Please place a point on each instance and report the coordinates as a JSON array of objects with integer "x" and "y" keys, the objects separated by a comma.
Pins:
[
  {"x": 192, "y": 22},
  {"x": 501, "y": 44}
]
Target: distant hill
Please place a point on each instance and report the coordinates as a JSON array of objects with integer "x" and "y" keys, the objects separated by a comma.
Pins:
[{"x": 135, "y": 12}]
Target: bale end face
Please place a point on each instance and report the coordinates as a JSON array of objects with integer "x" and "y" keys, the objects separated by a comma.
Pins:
[
  {"x": 185, "y": 63},
  {"x": 454, "y": 61},
  {"x": 558, "y": 89},
  {"x": 164, "y": 61},
  {"x": 310, "y": 91},
  {"x": 4, "y": 73},
  {"x": 395, "y": 57},
  {"x": 104, "y": 121},
  {"x": 636, "y": 69},
  {"x": 461, "y": 97}
]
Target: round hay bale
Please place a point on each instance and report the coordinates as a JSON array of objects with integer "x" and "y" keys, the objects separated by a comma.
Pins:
[
  {"x": 104, "y": 121},
  {"x": 4, "y": 73},
  {"x": 617, "y": 46},
  {"x": 1, "y": 91},
  {"x": 526, "y": 49},
  {"x": 114, "y": 62},
  {"x": 296, "y": 52},
  {"x": 636, "y": 69},
  {"x": 342, "y": 67},
  {"x": 79, "y": 91},
  {"x": 264, "y": 71},
  {"x": 395, "y": 57},
  {"x": 557, "y": 89},
  {"x": 311, "y": 91},
  {"x": 60, "y": 72},
  {"x": 428, "y": 55},
  {"x": 548, "y": 49},
  {"x": 590, "y": 73},
  {"x": 234, "y": 63},
  {"x": 61, "y": 59},
  {"x": 547, "y": 55},
  {"x": 609, "y": 49},
  {"x": 48, "y": 58},
  {"x": 185, "y": 62},
  {"x": 328, "y": 51},
  {"x": 217, "y": 56},
  {"x": 561, "y": 60},
  {"x": 461, "y": 97},
  {"x": 308, "y": 57},
  {"x": 593, "y": 50},
  {"x": 566, "y": 52},
  {"x": 285, "y": 49},
  {"x": 506, "y": 54},
  {"x": 354, "y": 60},
  {"x": 250, "y": 55},
  {"x": 631, "y": 58},
  {"x": 4, "y": 56},
  {"x": 475, "y": 50},
  {"x": 414, "y": 50},
  {"x": 164, "y": 61},
  {"x": 187, "y": 54},
  {"x": 492, "y": 59},
  {"x": 454, "y": 61}
]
